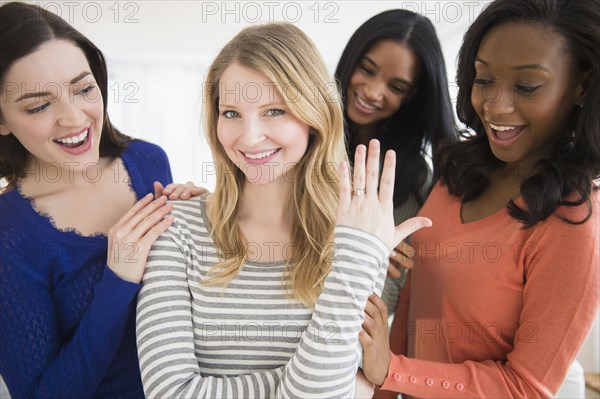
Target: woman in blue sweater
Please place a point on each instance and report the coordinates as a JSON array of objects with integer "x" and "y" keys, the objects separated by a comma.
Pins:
[{"x": 77, "y": 216}]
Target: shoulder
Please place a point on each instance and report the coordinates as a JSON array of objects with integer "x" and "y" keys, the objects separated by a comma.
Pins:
[
  {"x": 580, "y": 212},
  {"x": 573, "y": 237},
  {"x": 147, "y": 162},
  {"x": 11, "y": 209},
  {"x": 144, "y": 150},
  {"x": 440, "y": 195},
  {"x": 190, "y": 210},
  {"x": 190, "y": 220}
]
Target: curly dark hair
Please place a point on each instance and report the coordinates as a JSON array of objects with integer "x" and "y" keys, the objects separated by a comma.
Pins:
[{"x": 575, "y": 161}]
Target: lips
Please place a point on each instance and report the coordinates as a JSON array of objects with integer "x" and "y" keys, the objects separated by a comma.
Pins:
[
  {"x": 74, "y": 140},
  {"x": 364, "y": 106},
  {"x": 261, "y": 156},
  {"x": 76, "y": 143},
  {"x": 505, "y": 135}
]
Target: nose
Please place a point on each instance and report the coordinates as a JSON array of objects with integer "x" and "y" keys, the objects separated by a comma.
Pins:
[
  {"x": 497, "y": 101},
  {"x": 253, "y": 132},
  {"x": 71, "y": 112},
  {"x": 374, "y": 90}
]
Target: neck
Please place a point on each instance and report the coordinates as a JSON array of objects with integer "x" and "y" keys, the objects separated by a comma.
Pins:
[
  {"x": 506, "y": 182},
  {"x": 43, "y": 178},
  {"x": 269, "y": 202}
]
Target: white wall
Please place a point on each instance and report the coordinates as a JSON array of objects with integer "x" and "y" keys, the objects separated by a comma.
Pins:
[{"x": 158, "y": 52}]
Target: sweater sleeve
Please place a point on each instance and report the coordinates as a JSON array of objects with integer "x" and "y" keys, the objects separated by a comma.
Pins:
[
  {"x": 560, "y": 301},
  {"x": 325, "y": 361},
  {"x": 34, "y": 361}
]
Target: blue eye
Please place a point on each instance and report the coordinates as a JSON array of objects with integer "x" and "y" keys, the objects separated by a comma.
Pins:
[
  {"x": 275, "y": 112},
  {"x": 37, "y": 110},
  {"x": 230, "y": 114}
]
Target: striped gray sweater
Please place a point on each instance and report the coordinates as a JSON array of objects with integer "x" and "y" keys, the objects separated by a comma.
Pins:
[{"x": 249, "y": 339}]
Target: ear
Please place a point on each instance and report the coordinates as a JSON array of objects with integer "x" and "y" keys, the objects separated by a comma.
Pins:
[
  {"x": 4, "y": 131},
  {"x": 583, "y": 87}
]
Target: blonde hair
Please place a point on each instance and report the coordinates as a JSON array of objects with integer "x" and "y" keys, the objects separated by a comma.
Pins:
[{"x": 288, "y": 58}]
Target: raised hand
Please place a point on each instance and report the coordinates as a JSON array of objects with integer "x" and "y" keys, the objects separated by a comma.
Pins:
[
  {"x": 130, "y": 239},
  {"x": 365, "y": 207},
  {"x": 177, "y": 191},
  {"x": 374, "y": 339}
]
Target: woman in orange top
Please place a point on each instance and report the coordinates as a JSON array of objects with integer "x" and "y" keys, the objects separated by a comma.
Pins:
[{"x": 505, "y": 285}]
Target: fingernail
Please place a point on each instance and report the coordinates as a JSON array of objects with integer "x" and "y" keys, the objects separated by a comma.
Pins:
[{"x": 393, "y": 253}]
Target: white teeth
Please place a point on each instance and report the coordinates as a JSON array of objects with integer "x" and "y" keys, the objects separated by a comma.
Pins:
[
  {"x": 365, "y": 104},
  {"x": 501, "y": 128},
  {"x": 75, "y": 139},
  {"x": 260, "y": 155}
]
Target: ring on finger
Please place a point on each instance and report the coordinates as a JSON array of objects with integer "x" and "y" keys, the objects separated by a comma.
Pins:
[{"x": 360, "y": 192}]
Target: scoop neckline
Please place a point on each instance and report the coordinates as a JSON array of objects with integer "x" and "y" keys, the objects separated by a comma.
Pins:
[{"x": 47, "y": 222}]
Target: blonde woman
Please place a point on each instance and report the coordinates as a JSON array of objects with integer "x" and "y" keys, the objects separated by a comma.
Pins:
[{"x": 258, "y": 290}]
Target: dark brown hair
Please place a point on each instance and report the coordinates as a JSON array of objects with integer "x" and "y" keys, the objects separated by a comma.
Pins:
[{"x": 23, "y": 29}]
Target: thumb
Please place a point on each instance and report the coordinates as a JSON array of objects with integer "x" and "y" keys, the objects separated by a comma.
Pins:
[
  {"x": 158, "y": 189},
  {"x": 409, "y": 226}
]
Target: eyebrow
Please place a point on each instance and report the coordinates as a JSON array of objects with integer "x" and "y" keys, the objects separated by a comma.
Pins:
[
  {"x": 518, "y": 67},
  {"x": 47, "y": 93},
  {"x": 270, "y": 104},
  {"x": 399, "y": 80}
]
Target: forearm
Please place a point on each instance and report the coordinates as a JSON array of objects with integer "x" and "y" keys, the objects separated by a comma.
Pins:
[
  {"x": 327, "y": 358},
  {"x": 50, "y": 367}
]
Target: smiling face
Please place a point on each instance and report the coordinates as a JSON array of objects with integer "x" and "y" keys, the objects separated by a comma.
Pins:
[
  {"x": 384, "y": 79},
  {"x": 255, "y": 128},
  {"x": 525, "y": 91},
  {"x": 53, "y": 106}
]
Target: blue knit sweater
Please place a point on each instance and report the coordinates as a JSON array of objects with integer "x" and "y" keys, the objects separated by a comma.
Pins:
[{"x": 67, "y": 322}]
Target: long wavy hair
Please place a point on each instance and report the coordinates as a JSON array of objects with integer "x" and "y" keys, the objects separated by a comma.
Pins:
[
  {"x": 23, "y": 29},
  {"x": 289, "y": 59},
  {"x": 566, "y": 177},
  {"x": 426, "y": 119}
]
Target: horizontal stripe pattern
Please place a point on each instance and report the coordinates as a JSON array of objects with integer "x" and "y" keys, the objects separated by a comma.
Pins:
[{"x": 250, "y": 339}]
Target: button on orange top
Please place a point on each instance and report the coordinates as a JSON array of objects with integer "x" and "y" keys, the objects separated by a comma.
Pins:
[
  {"x": 429, "y": 381},
  {"x": 397, "y": 377},
  {"x": 460, "y": 386},
  {"x": 413, "y": 379},
  {"x": 446, "y": 384}
]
